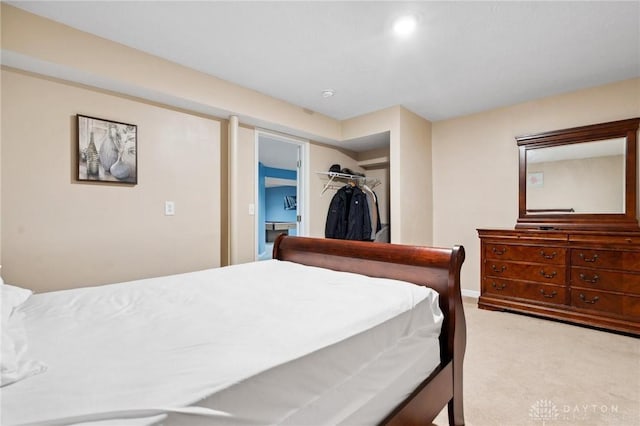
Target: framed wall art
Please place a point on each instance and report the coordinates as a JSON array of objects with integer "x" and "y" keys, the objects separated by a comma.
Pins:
[
  {"x": 535, "y": 179},
  {"x": 107, "y": 151}
]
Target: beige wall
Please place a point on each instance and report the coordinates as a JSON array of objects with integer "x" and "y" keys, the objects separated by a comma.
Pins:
[
  {"x": 243, "y": 229},
  {"x": 370, "y": 124},
  {"x": 224, "y": 193},
  {"x": 380, "y": 172},
  {"x": 475, "y": 161},
  {"x": 411, "y": 197},
  {"x": 196, "y": 179},
  {"x": 587, "y": 185},
  {"x": 382, "y": 191},
  {"x": 59, "y": 233},
  {"x": 409, "y": 177},
  {"x": 386, "y": 120}
]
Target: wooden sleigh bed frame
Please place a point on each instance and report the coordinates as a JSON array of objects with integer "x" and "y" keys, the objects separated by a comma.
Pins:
[{"x": 436, "y": 268}]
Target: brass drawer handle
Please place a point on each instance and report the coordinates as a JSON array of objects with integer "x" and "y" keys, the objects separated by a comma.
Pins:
[
  {"x": 588, "y": 259},
  {"x": 593, "y": 280},
  {"x": 494, "y": 268},
  {"x": 551, "y": 275},
  {"x": 547, "y": 256},
  {"x": 498, "y": 251},
  {"x": 548, "y": 295},
  {"x": 498, "y": 287},
  {"x": 584, "y": 299}
]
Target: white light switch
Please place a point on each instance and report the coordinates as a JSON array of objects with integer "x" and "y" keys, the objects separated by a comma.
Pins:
[
  {"x": 169, "y": 208},
  {"x": 252, "y": 209}
]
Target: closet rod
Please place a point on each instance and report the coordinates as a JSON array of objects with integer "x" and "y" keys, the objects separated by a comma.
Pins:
[{"x": 333, "y": 184}]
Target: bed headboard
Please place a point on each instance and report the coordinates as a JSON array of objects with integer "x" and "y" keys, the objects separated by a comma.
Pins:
[{"x": 437, "y": 268}]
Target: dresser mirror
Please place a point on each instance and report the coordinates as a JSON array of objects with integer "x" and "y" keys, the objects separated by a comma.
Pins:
[{"x": 579, "y": 178}]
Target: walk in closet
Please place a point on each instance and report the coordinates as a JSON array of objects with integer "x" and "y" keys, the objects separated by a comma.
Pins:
[{"x": 359, "y": 206}]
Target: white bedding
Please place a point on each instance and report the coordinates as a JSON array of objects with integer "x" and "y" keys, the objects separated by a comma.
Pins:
[{"x": 185, "y": 343}]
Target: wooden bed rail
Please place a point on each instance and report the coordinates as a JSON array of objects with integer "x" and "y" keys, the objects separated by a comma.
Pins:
[{"x": 437, "y": 268}]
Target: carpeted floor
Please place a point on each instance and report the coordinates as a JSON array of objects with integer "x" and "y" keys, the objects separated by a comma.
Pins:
[{"x": 522, "y": 370}]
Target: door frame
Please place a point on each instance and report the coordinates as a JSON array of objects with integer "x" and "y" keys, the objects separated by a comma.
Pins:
[{"x": 302, "y": 183}]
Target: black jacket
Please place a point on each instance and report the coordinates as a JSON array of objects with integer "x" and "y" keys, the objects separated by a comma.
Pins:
[{"x": 348, "y": 216}]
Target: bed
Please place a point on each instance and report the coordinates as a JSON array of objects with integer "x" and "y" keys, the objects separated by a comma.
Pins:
[{"x": 349, "y": 339}]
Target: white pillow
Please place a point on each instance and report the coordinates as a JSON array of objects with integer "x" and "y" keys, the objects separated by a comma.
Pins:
[
  {"x": 12, "y": 297},
  {"x": 14, "y": 365}
]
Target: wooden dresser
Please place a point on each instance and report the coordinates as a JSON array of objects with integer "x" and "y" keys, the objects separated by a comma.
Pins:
[{"x": 584, "y": 277}]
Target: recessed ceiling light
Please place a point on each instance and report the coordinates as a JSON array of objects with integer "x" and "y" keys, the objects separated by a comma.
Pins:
[
  {"x": 405, "y": 25},
  {"x": 327, "y": 93}
]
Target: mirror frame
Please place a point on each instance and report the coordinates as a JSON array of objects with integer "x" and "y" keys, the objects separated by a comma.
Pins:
[{"x": 626, "y": 221}]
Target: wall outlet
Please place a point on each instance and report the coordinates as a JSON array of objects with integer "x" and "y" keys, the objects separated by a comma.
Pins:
[{"x": 169, "y": 208}]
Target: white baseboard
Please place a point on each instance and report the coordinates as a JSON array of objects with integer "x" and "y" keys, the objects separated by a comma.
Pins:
[{"x": 470, "y": 293}]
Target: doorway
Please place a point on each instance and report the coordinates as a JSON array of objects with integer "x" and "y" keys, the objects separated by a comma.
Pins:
[{"x": 280, "y": 195}]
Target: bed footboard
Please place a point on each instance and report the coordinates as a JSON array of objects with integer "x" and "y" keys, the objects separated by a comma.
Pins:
[{"x": 437, "y": 268}]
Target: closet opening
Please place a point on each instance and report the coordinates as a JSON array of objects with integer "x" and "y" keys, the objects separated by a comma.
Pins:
[{"x": 372, "y": 159}]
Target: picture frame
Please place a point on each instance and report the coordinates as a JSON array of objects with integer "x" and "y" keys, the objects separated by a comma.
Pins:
[
  {"x": 535, "y": 179},
  {"x": 290, "y": 202},
  {"x": 107, "y": 150}
]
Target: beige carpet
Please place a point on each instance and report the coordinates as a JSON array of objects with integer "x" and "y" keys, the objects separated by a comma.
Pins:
[{"x": 522, "y": 370}]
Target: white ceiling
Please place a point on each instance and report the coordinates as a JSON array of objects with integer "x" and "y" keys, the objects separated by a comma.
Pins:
[
  {"x": 276, "y": 152},
  {"x": 465, "y": 56},
  {"x": 270, "y": 182}
]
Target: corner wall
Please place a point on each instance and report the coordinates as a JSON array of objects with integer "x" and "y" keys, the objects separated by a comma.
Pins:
[
  {"x": 409, "y": 178},
  {"x": 412, "y": 182}
]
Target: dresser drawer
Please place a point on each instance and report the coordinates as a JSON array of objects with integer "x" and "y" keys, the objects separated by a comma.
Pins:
[
  {"x": 553, "y": 255},
  {"x": 624, "y": 260},
  {"x": 584, "y": 276},
  {"x": 530, "y": 291},
  {"x": 600, "y": 279},
  {"x": 549, "y": 274},
  {"x": 609, "y": 239},
  {"x": 606, "y": 303}
]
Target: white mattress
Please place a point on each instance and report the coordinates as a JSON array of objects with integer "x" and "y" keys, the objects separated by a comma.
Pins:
[{"x": 262, "y": 343}]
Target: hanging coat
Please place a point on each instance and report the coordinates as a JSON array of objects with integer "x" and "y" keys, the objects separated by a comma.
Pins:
[
  {"x": 374, "y": 212},
  {"x": 348, "y": 216}
]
